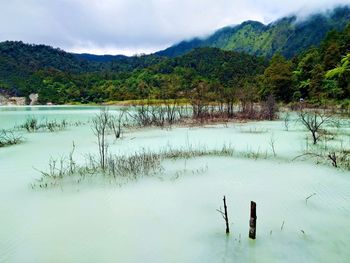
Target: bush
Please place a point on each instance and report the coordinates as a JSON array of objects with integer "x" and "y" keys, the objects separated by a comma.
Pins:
[{"x": 8, "y": 138}]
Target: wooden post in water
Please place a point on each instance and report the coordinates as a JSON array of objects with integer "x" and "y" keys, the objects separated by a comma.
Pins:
[
  {"x": 226, "y": 217},
  {"x": 252, "y": 222}
]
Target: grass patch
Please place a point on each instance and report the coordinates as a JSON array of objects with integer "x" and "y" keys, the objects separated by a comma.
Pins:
[
  {"x": 131, "y": 167},
  {"x": 33, "y": 124}
]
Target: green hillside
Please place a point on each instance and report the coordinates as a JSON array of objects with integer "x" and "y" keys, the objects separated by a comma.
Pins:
[
  {"x": 319, "y": 73},
  {"x": 287, "y": 36},
  {"x": 61, "y": 77}
]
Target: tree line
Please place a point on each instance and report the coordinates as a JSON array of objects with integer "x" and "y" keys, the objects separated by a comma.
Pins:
[{"x": 319, "y": 75}]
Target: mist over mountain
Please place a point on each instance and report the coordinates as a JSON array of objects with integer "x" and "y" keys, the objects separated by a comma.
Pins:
[{"x": 288, "y": 35}]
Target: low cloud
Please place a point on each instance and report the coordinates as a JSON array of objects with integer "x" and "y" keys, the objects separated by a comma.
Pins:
[{"x": 135, "y": 26}]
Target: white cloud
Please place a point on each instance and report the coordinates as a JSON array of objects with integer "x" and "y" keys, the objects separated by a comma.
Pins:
[{"x": 135, "y": 26}]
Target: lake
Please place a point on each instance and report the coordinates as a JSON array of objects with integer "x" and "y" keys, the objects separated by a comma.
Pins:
[{"x": 171, "y": 216}]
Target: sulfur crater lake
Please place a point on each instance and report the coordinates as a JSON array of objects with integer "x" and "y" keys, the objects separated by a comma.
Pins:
[{"x": 171, "y": 216}]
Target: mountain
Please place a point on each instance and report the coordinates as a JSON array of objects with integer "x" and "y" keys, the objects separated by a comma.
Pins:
[
  {"x": 36, "y": 57},
  {"x": 223, "y": 66},
  {"x": 61, "y": 77},
  {"x": 22, "y": 65},
  {"x": 230, "y": 57},
  {"x": 288, "y": 36}
]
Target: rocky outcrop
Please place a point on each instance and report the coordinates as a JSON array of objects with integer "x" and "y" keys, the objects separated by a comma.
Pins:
[
  {"x": 34, "y": 98},
  {"x": 18, "y": 101},
  {"x": 3, "y": 100}
]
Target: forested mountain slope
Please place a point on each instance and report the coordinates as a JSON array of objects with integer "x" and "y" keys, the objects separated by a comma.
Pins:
[{"x": 287, "y": 36}]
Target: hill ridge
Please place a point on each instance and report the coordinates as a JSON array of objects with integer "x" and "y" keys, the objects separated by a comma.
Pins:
[{"x": 287, "y": 35}]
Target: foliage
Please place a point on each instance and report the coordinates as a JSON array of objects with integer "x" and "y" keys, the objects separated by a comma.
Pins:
[
  {"x": 324, "y": 73},
  {"x": 202, "y": 76},
  {"x": 70, "y": 80},
  {"x": 287, "y": 36},
  {"x": 278, "y": 78}
]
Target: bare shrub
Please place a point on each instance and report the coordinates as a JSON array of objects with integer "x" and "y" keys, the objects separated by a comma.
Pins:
[
  {"x": 337, "y": 158},
  {"x": 115, "y": 124},
  {"x": 269, "y": 109},
  {"x": 99, "y": 128},
  {"x": 313, "y": 121},
  {"x": 286, "y": 121},
  {"x": 340, "y": 158},
  {"x": 272, "y": 144},
  {"x": 142, "y": 163},
  {"x": 199, "y": 100},
  {"x": 8, "y": 138},
  {"x": 147, "y": 115},
  {"x": 33, "y": 124},
  {"x": 53, "y": 126}
]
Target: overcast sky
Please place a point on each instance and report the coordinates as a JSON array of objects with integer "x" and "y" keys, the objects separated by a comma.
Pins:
[{"x": 135, "y": 26}]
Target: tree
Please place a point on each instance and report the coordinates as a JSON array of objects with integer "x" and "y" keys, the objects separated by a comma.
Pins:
[
  {"x": 342, "y": 74},
  {"x": 316, "y": 82},
  {"x": 199, "y": 98},
  {"x": 277, "y": 79},
  {"x": 313, "y": 121},
  {"x": 247, "y": 94},
  {"x": 341, "y": 71},
  {"x": 304, "y": 75},
  {"x": 99, "y": 127},
  {"x": 331, "y": 50}
]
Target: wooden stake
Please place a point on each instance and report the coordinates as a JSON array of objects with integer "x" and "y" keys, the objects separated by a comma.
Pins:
[
  {"x": 225, "y": 216},
  {"x": 252, "y": 222}
]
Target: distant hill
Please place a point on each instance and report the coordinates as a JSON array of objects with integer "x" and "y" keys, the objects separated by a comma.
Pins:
[
  {"x": 99, "y": 58},
  {"x": 27, "y": 68},
  {"x": 36, "y": 57},
  {"x": 21, "y": 63},
  {"x": 231, "y": 56},
  {"x": 223, "y": 66},
  {"x": 289, "y": 36}
]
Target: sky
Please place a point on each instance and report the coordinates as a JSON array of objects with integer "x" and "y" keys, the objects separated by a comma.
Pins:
[{"x": 136, "y": 26}]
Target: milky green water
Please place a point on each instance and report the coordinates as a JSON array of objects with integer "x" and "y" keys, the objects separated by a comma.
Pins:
[{"x": 171, "y": 218}]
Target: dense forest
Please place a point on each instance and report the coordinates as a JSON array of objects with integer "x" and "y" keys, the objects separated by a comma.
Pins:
[
  {"x": 318, "y": 74},
  {"x": 288, "y": 36}
]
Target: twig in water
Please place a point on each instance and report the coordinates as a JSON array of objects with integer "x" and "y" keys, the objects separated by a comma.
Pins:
[
  {"x": 282, "y": 225},
  {"x": 272, "y": 145},
  {"x": 307, "y": 198}
]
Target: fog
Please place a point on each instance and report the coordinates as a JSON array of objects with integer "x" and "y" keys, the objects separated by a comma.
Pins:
[{"x": 137, "y": 26}]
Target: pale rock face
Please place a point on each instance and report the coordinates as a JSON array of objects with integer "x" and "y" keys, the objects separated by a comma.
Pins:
[
  {"x": 3, "y": 100},
  {"x": 17, "y": 101},
  {"x": 34, "y": 98}
]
